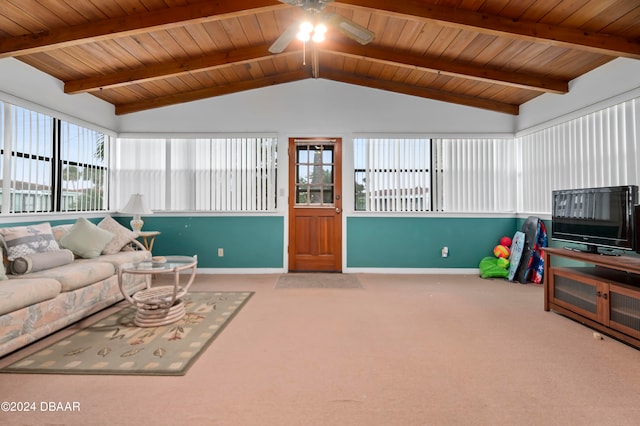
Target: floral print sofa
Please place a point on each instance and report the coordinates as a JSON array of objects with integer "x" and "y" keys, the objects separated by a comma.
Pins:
[{"x": 59, "y": 283}]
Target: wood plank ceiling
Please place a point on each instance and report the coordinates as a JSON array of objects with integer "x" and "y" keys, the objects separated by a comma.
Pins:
[{"x": 490, "y": 54}]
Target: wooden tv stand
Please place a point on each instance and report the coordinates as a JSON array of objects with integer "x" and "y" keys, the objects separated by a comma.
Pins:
[{"x": 604, "y": 295}]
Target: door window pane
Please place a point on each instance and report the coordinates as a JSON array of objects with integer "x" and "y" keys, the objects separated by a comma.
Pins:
[{"x": 314, "y": 173}]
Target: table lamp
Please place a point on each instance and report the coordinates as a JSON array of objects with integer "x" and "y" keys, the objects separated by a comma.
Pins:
[{"x": 136, "y": 207}]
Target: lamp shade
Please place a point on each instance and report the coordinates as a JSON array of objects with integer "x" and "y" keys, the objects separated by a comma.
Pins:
[{"x": 136, "y": 206}]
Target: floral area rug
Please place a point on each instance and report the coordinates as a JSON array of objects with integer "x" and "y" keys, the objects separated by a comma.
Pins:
[{"x": 115, "y": 345}]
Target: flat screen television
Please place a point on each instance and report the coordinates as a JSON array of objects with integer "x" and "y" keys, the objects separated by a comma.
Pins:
[{"x": 596, "y": 217}]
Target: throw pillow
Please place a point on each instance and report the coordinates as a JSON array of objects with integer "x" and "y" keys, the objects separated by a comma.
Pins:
[
  {"x": 60, "y": 230},
  {"x": 85, "y": 239},
  {"x": 40, "y": 261},
  {"x": 122, "y": 235},
  {"x": 24, "y": 240}
]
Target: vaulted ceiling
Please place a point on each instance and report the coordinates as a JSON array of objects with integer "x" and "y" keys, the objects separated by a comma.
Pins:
[{"x": 490, "y": 54}]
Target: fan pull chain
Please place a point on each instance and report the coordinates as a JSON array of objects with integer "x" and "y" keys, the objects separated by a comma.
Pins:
[{"x": 304, "y": 53}]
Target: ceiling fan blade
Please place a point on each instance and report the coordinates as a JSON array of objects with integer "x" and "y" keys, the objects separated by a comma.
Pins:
[
  {"x": 285, "y": 38},
  {"x": 349, "y": 28}
]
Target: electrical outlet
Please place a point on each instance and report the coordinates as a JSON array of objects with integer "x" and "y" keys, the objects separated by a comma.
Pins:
[{"x": 220, "y": 252}]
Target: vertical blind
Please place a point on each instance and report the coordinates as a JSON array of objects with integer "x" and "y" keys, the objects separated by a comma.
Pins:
[
  {"x": 202, "y": 174},
  {"x": 598, "y": 149},
  {"x": 139, "y": 167},
  {"x": 392, "y": 175},
  {"x": 231, "y": 174},
  {"x": 476, "y": 175}
]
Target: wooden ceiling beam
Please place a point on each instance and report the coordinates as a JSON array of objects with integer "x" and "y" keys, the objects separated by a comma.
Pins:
[
  {"x": 211, "y": 92},
  {"x": 555, "y": 35},
  {"x": 162, "y": 19},
  {"x": 422, "y": 92},
  {"x": 171, "y": 69},
  {"x": 439, "y": 66}
]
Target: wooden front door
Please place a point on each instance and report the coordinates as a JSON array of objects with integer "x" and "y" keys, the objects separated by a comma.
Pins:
[{"x": 315, "y": 204}]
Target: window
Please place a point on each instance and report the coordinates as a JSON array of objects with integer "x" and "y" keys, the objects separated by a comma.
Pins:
[
  {"x": 475, "y": 175},
  {"x": 392, "y": 175},
  {"x": 447, "y": 175},
  {"x": 50, "y": 165},
  {"x": 83, "y": 170},
  {"x": 598, "y": 149},
  {"x": 204, "y": 174},
  {"x": 28, "y": 177},
  {"x": 139, "y": 166}
]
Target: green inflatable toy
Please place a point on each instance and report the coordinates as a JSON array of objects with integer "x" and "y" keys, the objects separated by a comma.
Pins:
[{"x": 489, "y": 268}]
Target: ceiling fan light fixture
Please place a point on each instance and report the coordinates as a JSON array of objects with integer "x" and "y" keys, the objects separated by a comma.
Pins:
[
  {"x": 320, "y": 29},
  {"x": 318, "y": 37},
  {"x": 306, "y": 32},
  {"x": 309, "y": 32},
  {"x": 306, "y": 27}
]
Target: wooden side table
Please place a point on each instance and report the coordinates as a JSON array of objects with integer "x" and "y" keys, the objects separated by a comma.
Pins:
[{"x": 148, "y": 238}]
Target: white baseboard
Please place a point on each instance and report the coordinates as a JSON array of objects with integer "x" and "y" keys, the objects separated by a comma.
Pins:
[
  {"x": 425, "y": 271},
  {"x": 248, "y": 271}
]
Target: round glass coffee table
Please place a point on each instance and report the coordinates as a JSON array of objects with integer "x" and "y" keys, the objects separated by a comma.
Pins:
[{"x": 159, "y": 305}]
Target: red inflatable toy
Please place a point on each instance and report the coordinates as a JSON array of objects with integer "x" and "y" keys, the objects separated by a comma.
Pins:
[{"x": 505, "y": 241}]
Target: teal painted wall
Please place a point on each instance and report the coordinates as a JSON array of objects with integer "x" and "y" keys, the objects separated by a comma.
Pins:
[
  {"x": 374, "y": 242},
  {"x": 258, "y": 242},
  {"x": 248, "y": 241}
]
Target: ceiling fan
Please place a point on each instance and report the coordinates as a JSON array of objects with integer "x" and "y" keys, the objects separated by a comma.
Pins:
[{"x": 306, "y": 31}]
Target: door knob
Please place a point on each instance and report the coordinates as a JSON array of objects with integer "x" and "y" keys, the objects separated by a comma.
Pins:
[{"x": 338, "y": 210}]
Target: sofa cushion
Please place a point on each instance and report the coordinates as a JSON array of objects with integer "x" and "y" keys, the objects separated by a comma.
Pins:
[
  {"x": 85, "y": 239},
  {"x": 74, "y": 275},
  {"x": 120, "y": 258},
  {"x": 24, "y": 240},
  {"x": 122, "y": 235},
  {"x": 18, "y": 294},
  {"x": 41, "y": 261}
]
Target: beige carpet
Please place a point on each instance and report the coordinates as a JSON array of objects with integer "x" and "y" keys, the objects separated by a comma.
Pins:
[
  {"x": 318, "y": 280},
  {"x": 115, "y": 345},
  {"x": 406, "y": 350}
]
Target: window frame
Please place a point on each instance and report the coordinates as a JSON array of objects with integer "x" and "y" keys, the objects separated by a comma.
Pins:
[
  {"x": 418, "y": 172},
  {"x": 10, "y": 151}
]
